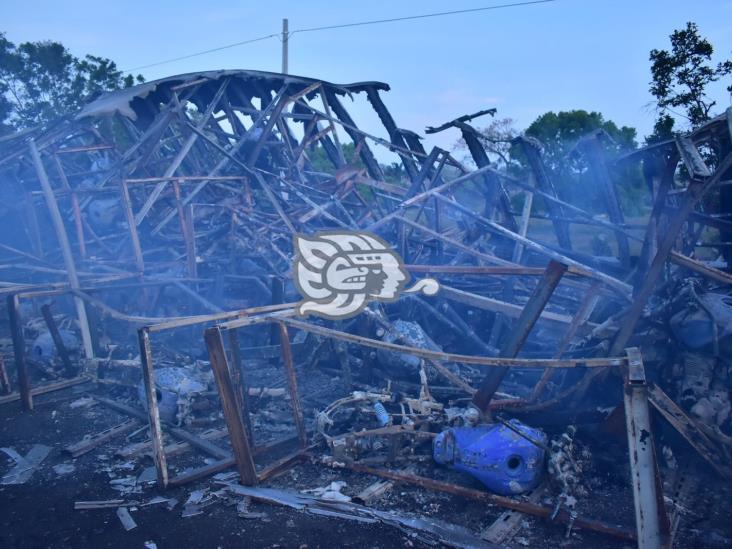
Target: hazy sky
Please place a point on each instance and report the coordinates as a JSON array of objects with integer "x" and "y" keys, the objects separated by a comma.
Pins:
[{"x": 590, "y": 54}]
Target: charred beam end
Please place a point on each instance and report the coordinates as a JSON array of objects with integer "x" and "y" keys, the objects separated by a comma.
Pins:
[
  {"x": 531, "y": 313},
  {"x": 495, "y": 194},
  {"x": 367, "y": 156},
  {"x": 396, "y": 138},
  {"x": 464, "y": 118}
]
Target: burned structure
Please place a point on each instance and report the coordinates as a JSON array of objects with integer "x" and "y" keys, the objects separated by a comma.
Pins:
[{"x": 147, "y": 255}]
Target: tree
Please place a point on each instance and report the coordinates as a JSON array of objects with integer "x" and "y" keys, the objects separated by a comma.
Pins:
[
  {"x": 680, "y": 78},
  {"x": 559, "y": 134},
  {"x": 40, "y": 81}
]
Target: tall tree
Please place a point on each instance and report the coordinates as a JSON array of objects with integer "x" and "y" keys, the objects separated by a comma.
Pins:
[
  {"x": 559, "y": 134},
  {"x": 680, "y": 78},
  {"x": 40, "y": 81}
]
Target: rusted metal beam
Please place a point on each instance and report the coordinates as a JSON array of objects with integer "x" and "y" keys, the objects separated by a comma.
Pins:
[
  {"x": 596, "y": 363},
  {"x": 687, "y": 427},
  {"x": 156, "y": 431},
  {"x": 47, "y": 388},
  {"x": 648, "y": 503},
  {"x": 202, "y": 472},
  {"x": 241, "y": 387},
  {"x": 700, "y": 268},
  {"x": 622, "y": 287},
  {"x": 580, "y": 317},
  {"x": 281, "y": 465},
  {"x": 694, "y": 193},
  {"x": 531, "y": 313},
  {"x": 132, "y": 226},
  {"x": 562, "y": 516},
  {"x": 292, "y": 385},
  {"x": 63, "y": 240},
  {"x": 232, "y": 412},
  {"x": 74, "y": 205},
  {"x": 182, "y": 153}
]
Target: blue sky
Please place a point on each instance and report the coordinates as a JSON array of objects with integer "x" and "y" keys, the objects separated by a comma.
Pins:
[{"x": 590, "y": 54}]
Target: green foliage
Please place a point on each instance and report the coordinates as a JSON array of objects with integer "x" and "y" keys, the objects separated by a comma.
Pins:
[
  {"x": 394, "y": 173},
  {"x": 40, "y": 81},
  {"x": 320, "y": 160},
  {"x": 559, "y": 134},
  {"x": 680, "y": 78},
  {"x": 321, "y": 163}
]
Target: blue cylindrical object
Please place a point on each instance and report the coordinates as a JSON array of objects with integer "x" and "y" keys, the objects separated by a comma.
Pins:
[
  {"x": 504, "y": 461},
  {"x": 382, "y": 415}
]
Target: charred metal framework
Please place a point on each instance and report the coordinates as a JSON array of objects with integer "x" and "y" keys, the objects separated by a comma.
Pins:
[{"x": 212, "y": 173}]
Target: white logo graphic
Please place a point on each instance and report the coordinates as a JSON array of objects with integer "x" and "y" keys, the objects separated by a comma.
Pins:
[{"x": 339, "y": 273}]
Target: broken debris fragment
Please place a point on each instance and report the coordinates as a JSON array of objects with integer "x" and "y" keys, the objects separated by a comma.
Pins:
[
  {"x": 128, "y": 523},
  {"x": 26, "y": 465}
]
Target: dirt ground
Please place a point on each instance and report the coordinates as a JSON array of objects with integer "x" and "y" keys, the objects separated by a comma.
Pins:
[{"x": 40, "y": 513}]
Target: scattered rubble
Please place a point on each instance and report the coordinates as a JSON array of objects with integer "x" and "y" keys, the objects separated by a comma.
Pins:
[{"x": 25, "y": 465}]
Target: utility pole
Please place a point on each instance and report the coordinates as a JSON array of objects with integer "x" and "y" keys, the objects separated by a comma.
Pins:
[{"x": 285, "y": 39}]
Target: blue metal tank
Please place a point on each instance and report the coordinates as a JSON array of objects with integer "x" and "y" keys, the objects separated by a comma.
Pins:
[{"x": 504, "y": 461}]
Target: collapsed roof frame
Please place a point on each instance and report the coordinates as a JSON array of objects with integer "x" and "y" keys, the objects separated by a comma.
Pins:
[{"x": 230, "y": 134}]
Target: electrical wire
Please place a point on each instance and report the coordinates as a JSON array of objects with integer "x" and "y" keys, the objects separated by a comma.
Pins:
[
  {"x": 342, "y": 26},
  {"x": 423, "y": 16},
  {"x": 202, "y": 52}
]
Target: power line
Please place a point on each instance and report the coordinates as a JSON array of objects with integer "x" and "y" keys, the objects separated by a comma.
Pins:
[
  {"x": 201, "y": 53},
  {"x": 342, "y": 26},
  {"x": 423, "y": 16}
]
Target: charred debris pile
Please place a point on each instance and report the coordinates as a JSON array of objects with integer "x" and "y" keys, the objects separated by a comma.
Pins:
[{"x": 146, "y": 257}]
